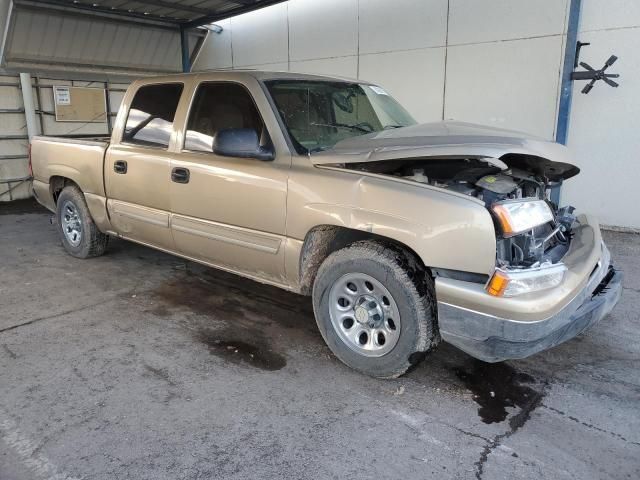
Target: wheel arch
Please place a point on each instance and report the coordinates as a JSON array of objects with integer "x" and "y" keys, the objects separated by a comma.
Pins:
[
  {"x": 57, "y": 183},
  {"x": 322, "y": 240},
  {"x": 95, "y": 203}
]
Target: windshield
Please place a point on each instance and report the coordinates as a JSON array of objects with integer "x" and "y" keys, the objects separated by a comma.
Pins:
[{"x": 318, "y": 114}]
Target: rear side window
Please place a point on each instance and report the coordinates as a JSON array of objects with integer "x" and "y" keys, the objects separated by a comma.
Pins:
[
  {"x": 150, "y": 119},
  {"x": 220, "y": 106}
]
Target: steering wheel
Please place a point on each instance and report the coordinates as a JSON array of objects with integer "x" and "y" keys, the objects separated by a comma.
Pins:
[{"x": 343, "y": 101}]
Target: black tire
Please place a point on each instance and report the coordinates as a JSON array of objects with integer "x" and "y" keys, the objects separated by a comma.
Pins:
[
  {"x": 412, "y": 290},
  {"x": 91, "y": 242}
]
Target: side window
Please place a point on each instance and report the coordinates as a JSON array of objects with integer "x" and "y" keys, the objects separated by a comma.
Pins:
[
  {"x": 220, "y": 106},
  {"x": 151, "y": 115}
]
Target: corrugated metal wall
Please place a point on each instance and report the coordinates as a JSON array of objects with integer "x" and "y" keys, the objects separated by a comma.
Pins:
[
  {"x": 56, "y": 41},
  {"x": 13, "y": 132},
  {"x": 13, "y": 140},
  {"x": 70, "y": 45}
]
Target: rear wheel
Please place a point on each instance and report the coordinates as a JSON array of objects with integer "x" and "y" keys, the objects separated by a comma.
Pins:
[
  {"x": 374, "y": 307},
  {"x": 79, "y": 234}
]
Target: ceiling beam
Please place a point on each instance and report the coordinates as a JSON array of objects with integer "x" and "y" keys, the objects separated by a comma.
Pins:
[
  {"x": 175, "y": 6},
  {"x": 106, "y": 10},
  {"x": 38, "y": 7}
]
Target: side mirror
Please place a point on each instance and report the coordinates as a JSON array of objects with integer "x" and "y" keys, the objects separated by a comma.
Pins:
[{"x": 241, "y": 143}]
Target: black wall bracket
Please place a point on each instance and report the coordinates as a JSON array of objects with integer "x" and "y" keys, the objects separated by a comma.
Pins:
[{"x": 592, "y": 74}]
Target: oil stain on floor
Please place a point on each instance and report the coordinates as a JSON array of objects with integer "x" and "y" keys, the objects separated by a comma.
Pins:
[
  {"x": 496, "y": 387},
  {"x": 240, "y": 352},
  {"x": 238, "y": 320}
]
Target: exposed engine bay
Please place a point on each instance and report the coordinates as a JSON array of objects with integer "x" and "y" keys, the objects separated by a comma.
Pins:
[{"x": 525, "y": 178}]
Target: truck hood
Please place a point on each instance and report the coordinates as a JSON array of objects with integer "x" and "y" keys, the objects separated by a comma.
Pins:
[{"x": 502, "y": 148}]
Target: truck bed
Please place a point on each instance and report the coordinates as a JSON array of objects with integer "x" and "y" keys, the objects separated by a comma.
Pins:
[
  {"x": 92, "y": 140},
  {"x": 78, "y": 159}
]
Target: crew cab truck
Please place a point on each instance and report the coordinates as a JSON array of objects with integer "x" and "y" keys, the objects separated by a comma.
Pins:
[{"x": 403, "y": 234}]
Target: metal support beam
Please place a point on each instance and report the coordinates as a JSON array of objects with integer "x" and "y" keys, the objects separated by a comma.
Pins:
[
  {"x": 107, "y": 101},
  {"x": 566, "y": 92},
  {"x": 181, "y": 7},
  {"x": 29, "y": 106},
  {"x": 184, "y": 48},
  {"x": 113, "y": 13}
]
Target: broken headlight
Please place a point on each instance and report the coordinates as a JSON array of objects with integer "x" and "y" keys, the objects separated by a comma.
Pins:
[
  {"x": 509, "y": 283},
  {"x": 521, "y": 216}
]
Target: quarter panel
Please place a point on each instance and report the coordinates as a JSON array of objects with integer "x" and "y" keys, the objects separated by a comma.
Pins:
[{"x": 76, "y": 160}]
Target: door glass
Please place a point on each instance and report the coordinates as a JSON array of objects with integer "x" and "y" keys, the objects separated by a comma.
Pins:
[
  {"x": 220, "y": 106},
  {"x": 150, "y": 119}
]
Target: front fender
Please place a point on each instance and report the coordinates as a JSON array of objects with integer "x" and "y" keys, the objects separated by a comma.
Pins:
[{"x": 446, "y": 230}]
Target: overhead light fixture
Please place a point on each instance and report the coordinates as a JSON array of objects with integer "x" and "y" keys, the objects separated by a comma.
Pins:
[{"x": 214, "y": 28}]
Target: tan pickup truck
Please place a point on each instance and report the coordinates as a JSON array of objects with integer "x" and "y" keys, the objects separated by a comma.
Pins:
[{"x": 403, "y": 234}]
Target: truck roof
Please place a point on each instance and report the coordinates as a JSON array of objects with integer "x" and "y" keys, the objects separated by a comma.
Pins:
[{"x": 257, "y": 74}]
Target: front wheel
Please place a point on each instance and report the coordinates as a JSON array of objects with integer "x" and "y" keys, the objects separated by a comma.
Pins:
[
  {"x": 79, "y": 234},
  {"x": 374, "y": 306}
]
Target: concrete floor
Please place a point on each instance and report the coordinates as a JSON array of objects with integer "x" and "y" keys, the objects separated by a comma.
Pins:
[{"x": 140, "y": 365}]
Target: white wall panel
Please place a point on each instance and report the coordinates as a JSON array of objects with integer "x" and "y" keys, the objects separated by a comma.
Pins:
[
  {"x": 472, "y": 21},
  {"x": 601, "y": 14},
  {"x": 414, "y": 78},
  {"x": 402, "y": 24},
  {"x": 341, "y": 66},
  {"x": 328, "y": 28},
  {"x": 261, "y": 36},
  {"x": 603, "y": 133},
  {"x": 216, "y": 50},
  {"x": 511, "y": 85}
]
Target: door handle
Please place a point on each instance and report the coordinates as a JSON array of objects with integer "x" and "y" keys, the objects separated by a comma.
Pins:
[
  {"x": 180, "y": 175},
  {"x": 120, "y": 166}
]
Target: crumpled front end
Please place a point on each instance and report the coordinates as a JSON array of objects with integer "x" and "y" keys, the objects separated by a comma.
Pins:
[
  {"x": 493, "y": 328},
  {"x": 551, "y": 277}
]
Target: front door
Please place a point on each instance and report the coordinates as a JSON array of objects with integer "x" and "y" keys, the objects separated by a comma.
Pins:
[
  {"x": 138, "y": 168},
  {"x": 227, "y": 211}
]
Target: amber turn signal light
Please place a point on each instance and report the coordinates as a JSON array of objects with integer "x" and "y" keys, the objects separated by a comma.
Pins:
[{"x": 498, "y": 284}]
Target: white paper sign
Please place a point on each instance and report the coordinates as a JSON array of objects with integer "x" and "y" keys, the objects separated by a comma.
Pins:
[{"x": 62, "y": 95}]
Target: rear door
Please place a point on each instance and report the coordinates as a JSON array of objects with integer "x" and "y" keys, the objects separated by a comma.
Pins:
[
  {"x": 229, "y": 211},
  {"x": 138, "y": 168}
]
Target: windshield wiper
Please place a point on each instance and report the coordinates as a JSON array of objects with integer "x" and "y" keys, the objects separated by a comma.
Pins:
[
  {"x": 388, "y": 127},
  {"x": 344, "y": 125}
]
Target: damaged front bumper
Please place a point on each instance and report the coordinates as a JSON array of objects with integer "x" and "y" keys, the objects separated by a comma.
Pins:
[{"x": 496, "y": 329}]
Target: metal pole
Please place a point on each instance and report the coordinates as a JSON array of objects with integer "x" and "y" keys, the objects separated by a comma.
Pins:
[
  {"x": 41, "y": 112},
  {"x": 564, "y": 109},
  {"x": 566, "y": 92},
  {"x": 107, "y": 101},
  {"x": 29, "y": 108},
  {"x": 184, "y": 48}
]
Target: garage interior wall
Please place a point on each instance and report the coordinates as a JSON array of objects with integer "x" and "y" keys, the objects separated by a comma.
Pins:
[
  {"x": 603, "y": 133},
  {"x": 70, "y": 48},
  {"x": 14, "y": 125},
  {"x": 495, "y": 62}
]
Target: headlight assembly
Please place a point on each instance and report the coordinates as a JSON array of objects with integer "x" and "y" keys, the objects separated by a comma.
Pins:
[
  {"x": 518, "y": 217},
  {"x": 509, "y": 283}
]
